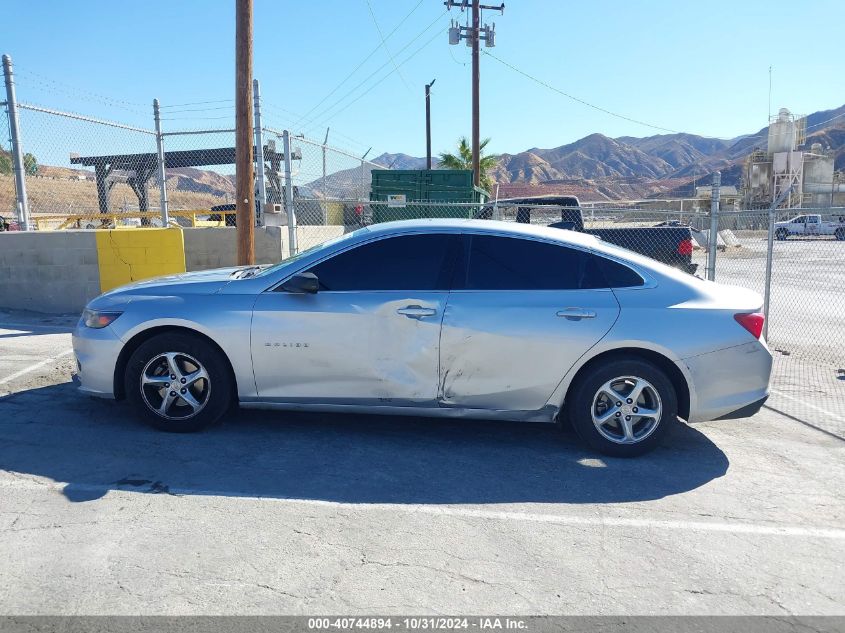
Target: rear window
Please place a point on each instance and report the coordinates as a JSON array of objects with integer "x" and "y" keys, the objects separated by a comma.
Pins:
[
  {"x": 505, "y": 263},
  {"x": 617, "y": 275}
]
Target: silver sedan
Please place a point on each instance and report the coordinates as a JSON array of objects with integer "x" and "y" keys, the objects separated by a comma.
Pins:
[{"x": 453, "y": 318}]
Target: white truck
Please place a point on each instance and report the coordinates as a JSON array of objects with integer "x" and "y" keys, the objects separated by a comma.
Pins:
[{"x": 810, "y": 225}]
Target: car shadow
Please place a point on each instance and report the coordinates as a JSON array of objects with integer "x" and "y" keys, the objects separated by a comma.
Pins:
[{"x": 94, "y": 446}]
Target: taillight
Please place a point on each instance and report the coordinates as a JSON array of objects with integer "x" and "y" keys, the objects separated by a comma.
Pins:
[
  {"x": 752, "y": 322},
  {"x": 685, "y": 247}
]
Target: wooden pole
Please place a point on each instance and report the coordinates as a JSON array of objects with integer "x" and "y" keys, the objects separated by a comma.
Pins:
[
  {"x": 476, "y": 74},
  {"x": 244, "y": 177}
]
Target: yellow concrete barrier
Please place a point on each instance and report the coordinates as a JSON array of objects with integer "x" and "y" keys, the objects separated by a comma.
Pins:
[{"x": 126, "y": 255}]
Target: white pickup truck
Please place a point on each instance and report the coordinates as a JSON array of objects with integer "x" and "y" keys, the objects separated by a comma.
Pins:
[{"x": 810, "y": 225}]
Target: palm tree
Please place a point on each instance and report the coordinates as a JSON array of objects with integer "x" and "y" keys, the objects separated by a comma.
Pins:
[{"x": 463, "y": 160}]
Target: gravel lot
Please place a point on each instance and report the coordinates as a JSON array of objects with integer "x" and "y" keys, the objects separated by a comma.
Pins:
[{"x": 306, "y": 514}]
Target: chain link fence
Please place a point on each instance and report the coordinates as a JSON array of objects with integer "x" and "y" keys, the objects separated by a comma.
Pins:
[{"x": 85, "y": 172}]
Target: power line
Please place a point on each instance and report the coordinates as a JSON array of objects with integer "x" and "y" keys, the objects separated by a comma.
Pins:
[
  {"x": 324, "y": 111},
  {"x": 371, "y": 87},
  {"x": 193, "y": 103},
  {"x": 364, "y": 61},
  {"x": 582, "y": 101},
  {"x": 761, "y": 134},
  {"x": 384, "y": 45},
  {"x": 273, "y": 106}
]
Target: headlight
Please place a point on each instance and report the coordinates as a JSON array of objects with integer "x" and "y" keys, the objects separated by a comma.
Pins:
[{"x": 98, "y": 320}]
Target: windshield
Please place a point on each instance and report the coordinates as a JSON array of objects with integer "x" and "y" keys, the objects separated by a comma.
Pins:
[{"x": 309, "y": 251}]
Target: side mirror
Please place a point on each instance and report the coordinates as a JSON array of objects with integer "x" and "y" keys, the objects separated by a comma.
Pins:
[{"x": 302, "y": 283}]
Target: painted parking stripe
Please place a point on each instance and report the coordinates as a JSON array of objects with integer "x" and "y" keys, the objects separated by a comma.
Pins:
[
  {"x": 34, "y": 367},
  {"x": 23, "y": 327},
  {"x": 781, "y": 394},
  {"x": 475, "y": 513}
]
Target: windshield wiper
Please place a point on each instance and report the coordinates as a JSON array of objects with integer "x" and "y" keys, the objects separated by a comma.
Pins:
[{"x": 242, "y": 273}]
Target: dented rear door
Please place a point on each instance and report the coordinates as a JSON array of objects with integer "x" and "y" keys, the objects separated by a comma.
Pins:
[{"x": 509, "y": 336}]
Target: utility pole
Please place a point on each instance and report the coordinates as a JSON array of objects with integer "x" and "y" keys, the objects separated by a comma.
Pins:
[
  {"x": 428, "y": 124},
  {"x": 476, "y": 108},
  {"x": 244, "y": 185},
  {"x": 474, "y": 35}
]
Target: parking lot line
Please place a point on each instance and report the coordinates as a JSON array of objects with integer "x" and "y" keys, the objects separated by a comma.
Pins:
[
  {"x": 473, "y": 513},
  {"x": 781, "y": 394},
  {"x": 23, "y": 327},
  {"x": 34, "y": 367}
]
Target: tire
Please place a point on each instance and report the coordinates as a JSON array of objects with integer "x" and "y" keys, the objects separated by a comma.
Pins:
[
  {"x": 840, "y": 234},
  {"x": 207, "y": 396},
  {"x": 781, "y": 234},
  {"x": 589, "y": 400}
]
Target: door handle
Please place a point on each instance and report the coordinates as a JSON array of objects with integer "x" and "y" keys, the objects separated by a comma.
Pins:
[
  {"x": 576, "y": 314},
  {"x": 416, "y": 312}
]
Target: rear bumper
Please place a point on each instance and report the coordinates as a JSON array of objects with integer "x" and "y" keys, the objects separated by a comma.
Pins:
[
  {"x": 728, "y": 382},
  {"x": 747, "y": 411}
]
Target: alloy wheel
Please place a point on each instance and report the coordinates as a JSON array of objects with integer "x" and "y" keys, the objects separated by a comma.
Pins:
[
  {"x": 626, "y": 410},
  {"x": 175, "y": 386}
]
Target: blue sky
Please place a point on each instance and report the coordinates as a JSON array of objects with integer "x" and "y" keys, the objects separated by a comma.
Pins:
[{"x": 687, "y": 66}]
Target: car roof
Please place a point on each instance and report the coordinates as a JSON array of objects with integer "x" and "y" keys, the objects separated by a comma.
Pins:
[{"x": 496, "y": 227}]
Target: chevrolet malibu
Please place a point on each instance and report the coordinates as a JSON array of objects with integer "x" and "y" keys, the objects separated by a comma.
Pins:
[{"x": 454, "y": 318}]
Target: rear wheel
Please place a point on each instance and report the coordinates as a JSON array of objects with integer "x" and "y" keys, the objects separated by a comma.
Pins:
[
  {"x": 178, "y": 382},
  {"x": 840, "y": 234},
  {"x": 623, "y": 408},
  {"x": 781, "y": 234}
]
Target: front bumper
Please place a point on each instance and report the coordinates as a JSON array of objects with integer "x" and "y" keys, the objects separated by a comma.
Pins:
[{"x": 96, "y": 351}]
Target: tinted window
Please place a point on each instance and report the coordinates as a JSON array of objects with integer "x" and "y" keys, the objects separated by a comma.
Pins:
[
  {"x": 504, "y": 263},
  {"x": 409, "y": 262},
  {"x": 617, "y": 275}
]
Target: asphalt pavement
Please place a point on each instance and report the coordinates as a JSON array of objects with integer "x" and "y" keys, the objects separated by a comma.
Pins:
[{"x": 275, "y": 513}]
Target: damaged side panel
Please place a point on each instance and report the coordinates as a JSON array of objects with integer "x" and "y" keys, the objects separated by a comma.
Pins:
[
  {"x": 508, "y": 350},
  {"x": 355, "y": 348}
]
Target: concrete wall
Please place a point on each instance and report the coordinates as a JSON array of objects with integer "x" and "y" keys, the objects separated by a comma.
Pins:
[
  {"x": 60, "y": 271},
  {"x": 217, "y": 247},
  {"x": 127, "y": 255},
  {"x": 49, "y": 271},
  {"x": 308, "y": 236}
]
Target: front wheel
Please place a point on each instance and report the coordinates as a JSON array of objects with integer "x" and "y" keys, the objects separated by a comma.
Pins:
[
  {"x": 623, "y": 408},
  {"x": 840, "y": 234},
  {"x": 178, "y": 382},
  {"x": 781, "y": 234}
]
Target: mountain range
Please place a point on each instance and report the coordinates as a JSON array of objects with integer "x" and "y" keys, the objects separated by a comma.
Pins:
[{"x": 598, "y": 166}]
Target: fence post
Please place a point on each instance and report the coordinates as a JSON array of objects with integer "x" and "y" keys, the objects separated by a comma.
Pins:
[
  {"x": 162, "y": 175},
  {"x": 259, "y": 154},
  {"x": 714, "y": 226},
  {"x": 767, "y": 292},
  {"x": 292, "y": 246},
  {"x": 363, "y": 181},
  {"x": 17, "y": 153}
]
